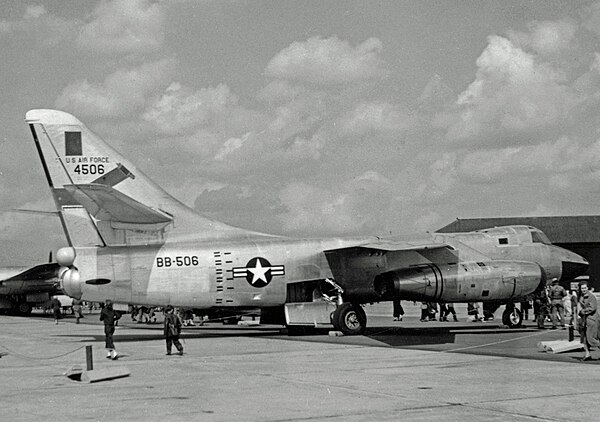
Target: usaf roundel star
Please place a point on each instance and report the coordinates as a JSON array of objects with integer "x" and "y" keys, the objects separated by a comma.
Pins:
[{"x": 259, "y": 272}]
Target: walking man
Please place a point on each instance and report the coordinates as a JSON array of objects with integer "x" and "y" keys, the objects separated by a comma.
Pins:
[
  {"x": 172, "y": 330},
  {"x": 56, "y": 309},
  {"x": 398, "y": 311},
  {"x": 557, "y": 295},
  {"x": 109, "y": 316}
]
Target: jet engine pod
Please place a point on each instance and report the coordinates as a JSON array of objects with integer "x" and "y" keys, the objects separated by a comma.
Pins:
[
  {"x": 70, "y": 282},
  {"x": 462, "y": 282}
]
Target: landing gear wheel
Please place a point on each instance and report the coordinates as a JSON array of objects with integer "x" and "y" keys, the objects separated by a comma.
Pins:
[
  {"x": 350, "y": 319},
  {"x": 513, "y": 318},
  {"x": 23, "y": 308}
]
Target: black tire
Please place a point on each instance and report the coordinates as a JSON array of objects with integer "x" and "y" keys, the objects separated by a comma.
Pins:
[
  {"x": 23, "y": 308},
  {"x": 512, "y": 318},
  {"x": 350, "y": 319}
]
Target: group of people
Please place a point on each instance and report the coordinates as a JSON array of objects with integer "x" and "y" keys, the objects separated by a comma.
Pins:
[
  {"x": 172, "y": 329},
  {"x": 429, "y": 311},
  {"x": 556, "y": 304}
]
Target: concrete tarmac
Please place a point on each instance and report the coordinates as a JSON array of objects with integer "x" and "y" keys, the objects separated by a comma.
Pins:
[{"x": 405, "y": 370}]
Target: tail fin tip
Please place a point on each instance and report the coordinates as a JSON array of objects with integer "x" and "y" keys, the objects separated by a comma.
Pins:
[{"x": 49, "y": 116}]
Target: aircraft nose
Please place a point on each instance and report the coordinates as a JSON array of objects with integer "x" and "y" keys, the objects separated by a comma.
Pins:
[{"x": 573, "y": 266}]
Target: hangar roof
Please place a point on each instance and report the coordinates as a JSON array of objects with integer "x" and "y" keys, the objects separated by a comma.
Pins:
[{"x": 565, "y": 229}]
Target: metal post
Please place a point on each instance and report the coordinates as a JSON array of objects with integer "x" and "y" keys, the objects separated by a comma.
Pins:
[
  {"x": 571, "y": 333},
  {"x": 89, "y": 358}
]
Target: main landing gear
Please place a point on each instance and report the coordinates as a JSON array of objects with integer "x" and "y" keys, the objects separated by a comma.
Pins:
[{"x": 349, "y": 318}]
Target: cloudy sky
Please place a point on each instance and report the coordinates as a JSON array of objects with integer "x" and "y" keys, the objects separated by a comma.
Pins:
[{"x": 312, "y": 118}]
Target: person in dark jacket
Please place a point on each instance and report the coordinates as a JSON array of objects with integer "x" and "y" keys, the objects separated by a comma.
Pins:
[
  {"x": 172, "y": 330},
  {"x": 56, "y": 309},
  {"x": 557, "y": 294},
  {"x": 588, "y": 320},
  {"x": 109, "y": 316},
  {"x": 77, "y": 310}
]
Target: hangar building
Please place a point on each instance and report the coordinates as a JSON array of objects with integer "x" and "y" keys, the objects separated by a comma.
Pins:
[{"x": 580, "y": 234}]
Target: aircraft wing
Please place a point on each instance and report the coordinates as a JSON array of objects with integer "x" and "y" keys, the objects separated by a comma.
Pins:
[
  {"x": 357, "y": 267},
  {"x": 43, "y": 277},
  {"x": 406, "y": 253},
  {"x": 39, "y": 272},
  {"x": 108, "y": 204}
]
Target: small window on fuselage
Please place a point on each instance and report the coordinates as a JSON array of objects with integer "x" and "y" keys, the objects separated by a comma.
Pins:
[{"x": 503, "y": 241}]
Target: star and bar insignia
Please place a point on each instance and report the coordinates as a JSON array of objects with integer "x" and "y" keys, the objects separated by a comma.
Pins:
[{"x": 258, "y": 272}]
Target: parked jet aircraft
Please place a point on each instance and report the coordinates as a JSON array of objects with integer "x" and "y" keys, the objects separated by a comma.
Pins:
[
  {"x": 23, "y": 288},
  {"x": 133, "y": 243}
]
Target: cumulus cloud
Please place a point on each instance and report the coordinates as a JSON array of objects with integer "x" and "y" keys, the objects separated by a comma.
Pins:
[
  {"x": 546, "y": 37},
  {"x": 181, "y": 109},
  {"x": 312, "y": 209},
  {"x": 47, "y": 28},
  {"x": 561, "y": 156},
  {"x": 232, "y": 144},
  {"x": 279, "y": 92},
  {"x": 591, "y": 18},
  {"x": 122, "y": 93},
  {"x": 328, "y": 61},
  {"x": 34, "y": 12},
  {"x": 134, "y": 26},
  {"x": 512, "y": 91},
  {"x": 375, "y": 117}
]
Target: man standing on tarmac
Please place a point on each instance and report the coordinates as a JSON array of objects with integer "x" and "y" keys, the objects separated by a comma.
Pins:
[
  {"x": 557, "y": 294},
  {"x": 109, "y": 316},
  {"x": 588, "y": 320},
  {"x": 172, "y": 330}
]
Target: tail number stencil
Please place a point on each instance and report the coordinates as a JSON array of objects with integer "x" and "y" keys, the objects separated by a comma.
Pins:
[
  {"x": 89, "y": 169},
  {"x": 178, "y": 261}
]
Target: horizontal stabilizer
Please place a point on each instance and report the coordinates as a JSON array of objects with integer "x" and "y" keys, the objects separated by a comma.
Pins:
[{"x": 107, "y": 204}]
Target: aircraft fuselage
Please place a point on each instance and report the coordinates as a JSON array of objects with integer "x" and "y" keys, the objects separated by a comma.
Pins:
[{"x": 258, "y": 273}]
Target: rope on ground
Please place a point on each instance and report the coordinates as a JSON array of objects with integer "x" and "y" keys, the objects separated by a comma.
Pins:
[
  {"x": 12, "y": 352},
  {"x": 460, "y": 349}
]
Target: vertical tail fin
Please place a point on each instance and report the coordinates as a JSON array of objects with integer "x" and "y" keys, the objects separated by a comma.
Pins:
[{"x": 103, "y": 199}]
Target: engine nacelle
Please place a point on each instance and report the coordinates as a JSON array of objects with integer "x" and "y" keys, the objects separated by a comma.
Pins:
[
  {"x": 461, "y": 282},
  {"x": 70, "y": 280}
]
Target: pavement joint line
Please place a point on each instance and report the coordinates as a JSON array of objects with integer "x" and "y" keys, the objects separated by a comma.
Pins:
[
  {"x": 494, "y": 343},
  {"x": 546, "y": 396},
  {"x": 370, "y": 413},
  {"x": 328, "y": 386},
  {"x": 503, "y": 412}
]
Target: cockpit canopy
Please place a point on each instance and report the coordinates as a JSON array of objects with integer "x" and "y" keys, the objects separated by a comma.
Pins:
[
  {"x": 538, "y": 236},
  {"x": 508, "y": 235}
]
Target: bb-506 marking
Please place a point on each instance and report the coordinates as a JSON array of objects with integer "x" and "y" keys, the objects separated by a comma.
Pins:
[{"x": 178, "y": 261}]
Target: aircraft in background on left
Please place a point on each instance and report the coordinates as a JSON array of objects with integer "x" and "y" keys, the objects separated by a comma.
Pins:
[{"x": 23, "y": 288}]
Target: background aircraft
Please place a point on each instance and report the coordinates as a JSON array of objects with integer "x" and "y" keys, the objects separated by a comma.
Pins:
[
  {"x": 134, "y": 243},
  {"x": 21, "y": 289}
]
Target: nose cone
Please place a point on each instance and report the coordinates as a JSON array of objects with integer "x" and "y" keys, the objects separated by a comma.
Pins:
[{"x": 573, "y": 265}]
